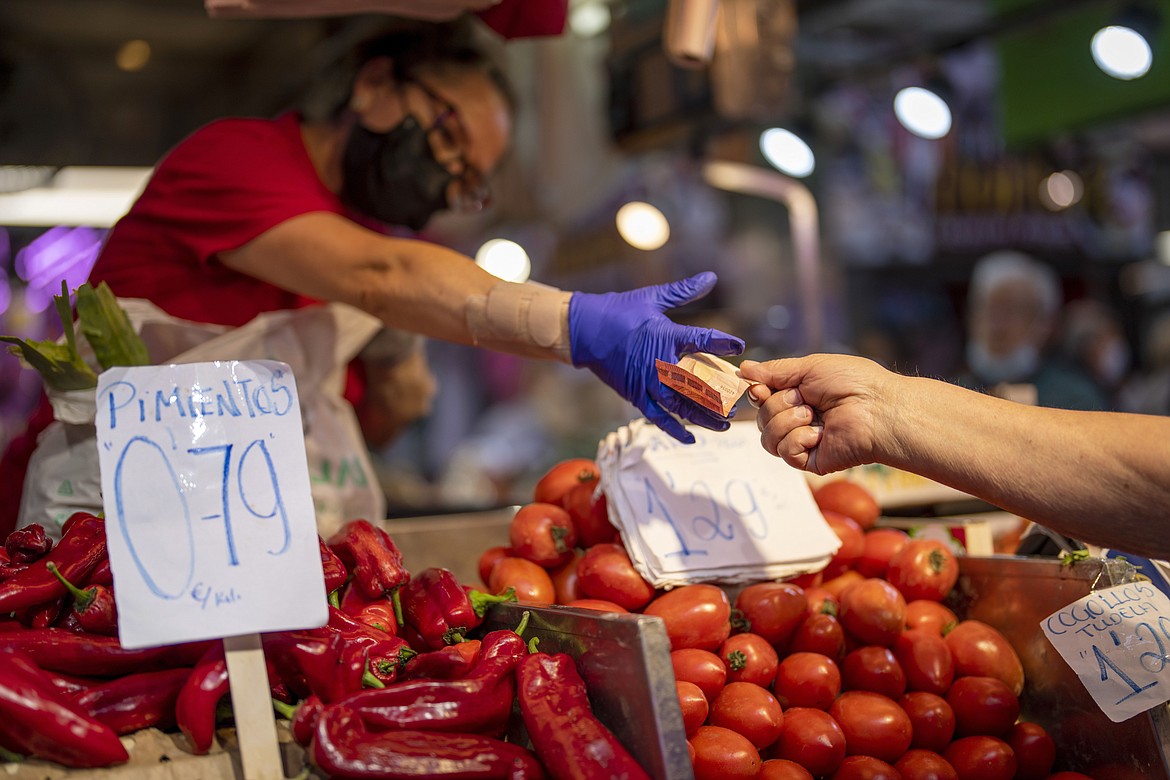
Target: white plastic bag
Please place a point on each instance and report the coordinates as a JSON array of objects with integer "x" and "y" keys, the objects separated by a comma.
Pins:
[{"x": 317, "y": 342}]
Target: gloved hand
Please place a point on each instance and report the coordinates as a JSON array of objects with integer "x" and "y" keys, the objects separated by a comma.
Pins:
[{"x": 617, "y": 336}]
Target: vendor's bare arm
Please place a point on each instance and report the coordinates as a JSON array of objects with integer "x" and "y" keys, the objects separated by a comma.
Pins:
[{"x": 408, "y": 284}]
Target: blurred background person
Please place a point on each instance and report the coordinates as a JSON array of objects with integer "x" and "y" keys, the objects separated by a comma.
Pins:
[
  {"x": 1148, "y": 390},
  {"x": 1013, "y": 304},
  {"x": 1093, "y": 339}
]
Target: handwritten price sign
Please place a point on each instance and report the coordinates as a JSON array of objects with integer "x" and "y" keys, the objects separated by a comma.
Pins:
[
  {"x": 209, "y": 517},
  {"x": 719, "y": 509},
  {"x": 1118, "y": 642}
]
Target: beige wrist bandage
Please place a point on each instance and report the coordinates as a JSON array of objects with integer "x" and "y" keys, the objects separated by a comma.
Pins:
[{"x": 528, "y": 319}]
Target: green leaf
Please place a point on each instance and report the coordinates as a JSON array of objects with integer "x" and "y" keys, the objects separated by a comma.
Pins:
[
  {"x": 61, "y": 367},
  {"x": 108, "y": 329}
]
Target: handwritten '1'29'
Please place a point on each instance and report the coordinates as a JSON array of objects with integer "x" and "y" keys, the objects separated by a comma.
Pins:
[{"x": 711, "y": 520}]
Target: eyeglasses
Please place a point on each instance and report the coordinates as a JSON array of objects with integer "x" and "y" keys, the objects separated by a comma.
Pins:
[{"x": 472, "y": 192}]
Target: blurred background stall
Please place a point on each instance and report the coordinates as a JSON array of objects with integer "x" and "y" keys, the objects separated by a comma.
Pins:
[{"x": 896, "y": 142}]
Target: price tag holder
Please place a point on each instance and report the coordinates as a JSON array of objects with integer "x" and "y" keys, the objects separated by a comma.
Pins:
[
  {"x": 721, "y": 509},
  {"x": 1117, "y": 640}
]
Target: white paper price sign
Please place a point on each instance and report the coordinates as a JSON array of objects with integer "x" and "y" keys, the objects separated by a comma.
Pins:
[
  {"x": 209, "y": 519},
  {"x": 1117, "y": 640},
  {"x": 719, "y": 509}
]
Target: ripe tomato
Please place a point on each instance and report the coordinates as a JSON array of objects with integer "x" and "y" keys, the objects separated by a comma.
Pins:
[
  {"x": 807, "y": 680},
  {"x": 564, "y": 579},
  {"x": 981, "y": 651},
  {"x": 981, "y": 758},
  {"x": 1035, "y": 750},
  {"x": 924, "y": 569},
  {"x": 812, "y": 579},
  {"x": 532, "y": 583},
  {"x": 819, "y": 634},
  {"x": 600, "y": 605},
  {"x": 931, "y": 718},
  {"x": 841, "y": 583},
  {"x": 780, "y": 769},
  {"x": 695, "y": 616},
  {"x": 925, "y": 765},
  {"x": 721, "y": 754},
  {"x": 691, "y": 752},
  {"x": 881, "y": 544},
  {"x": 852, "y": 543},
  {"x": 850, "y": 499},
  {"x": 874, "y": 725},
  {"x": 542, "y": 533},
  {"x": 873, "y": 612},
  {"x": 821, "y": 600},
  {"x": 488, "y": 558},
  {"x": 605, "y": 572},
  {"x": 983, "y": 705},
  {"x": 589, "y": 512},
  {"x": 557, "y": 481},
  {"x": 694, "y": 706},
  {"x": 873, "y": 668},
  {"x": 926, "y": 659},
  {"x": 812, "y": 739},
  {"x": 750, "y": 710},
  {"x": 749, "y": 658},
  {"x": 922, "y": 613},
  {"x": 701, "y": 667},
  {"x": 773, "y": 610},
  {"x": 865, "y": 768}
]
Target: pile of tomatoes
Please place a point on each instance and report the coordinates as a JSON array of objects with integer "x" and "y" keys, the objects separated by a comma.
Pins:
[{"x": 857, "y": 672}]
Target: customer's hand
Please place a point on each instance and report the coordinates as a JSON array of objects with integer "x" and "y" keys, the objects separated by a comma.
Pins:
[
  {"x": 822, "y": 413},
  {"x": 618, "y": 336}
]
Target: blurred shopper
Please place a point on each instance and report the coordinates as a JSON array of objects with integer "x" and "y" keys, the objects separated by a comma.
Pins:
[
  {"x": 1148, "y": 391},
  {"x": 1093, "y": 339},
  {"x": 1100, "y": 477},
  {"x": 253, "y": 215},
  {"x": 1013, "y": 305}
]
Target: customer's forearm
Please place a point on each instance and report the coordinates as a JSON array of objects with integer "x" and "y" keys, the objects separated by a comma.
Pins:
[{"x": 1096, "y": 476}]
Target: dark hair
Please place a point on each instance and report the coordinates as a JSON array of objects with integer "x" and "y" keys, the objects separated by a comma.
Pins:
[{"x": 410, "y": 46}]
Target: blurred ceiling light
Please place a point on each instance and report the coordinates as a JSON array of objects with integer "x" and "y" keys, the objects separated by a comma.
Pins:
[
  {"x": 589, "y": 18},
  {"x": 1121, "y": 52},
  {"x": 642, "y": 225},
  {"x": 504, "y": 259},
  {"x": 922, "y": 112},
  {"x": 76, "y": 195},
  {"x": 1061, "y": 190},
  {"x": 133, "y": 55},
  {"x": 787, "y": 152}
]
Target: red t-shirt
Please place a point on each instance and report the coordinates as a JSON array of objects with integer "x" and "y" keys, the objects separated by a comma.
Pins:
[{"x": 217, "y": 190}]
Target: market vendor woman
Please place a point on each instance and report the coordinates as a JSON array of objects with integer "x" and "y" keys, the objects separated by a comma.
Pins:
[{"x": 252, "y": 215}]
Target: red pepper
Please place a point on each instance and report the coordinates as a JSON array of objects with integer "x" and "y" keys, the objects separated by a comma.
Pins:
[
  {"x": 92, "y": 655},
  {"x": 9, "y": 570},
  {"x": 344, "y": 748},
  {"x": 96, "y": 611},
  {"x": 318, "y": 661},
  {"x": 371, "y": 556},
  {"x": 480, "y": 703},
  {"x": 42, "y": 615},
  {"x": 568, "y": 738},
  {"x": 28, "y": 544},
  {"x": 335, "y": 571},
  {"x": 81, "y": 549},
  {"x": 378, "y": 612},
  {"x": 441, "y": 610},
  {"x": 447, "y": 663},
  {"x": 101, "y": 575},
  {"x": 196, "y": 702},
  {"x": 36, "y": 719},
  {"x": 136, "y": 701},
  {"x": 304, "y": 721}
]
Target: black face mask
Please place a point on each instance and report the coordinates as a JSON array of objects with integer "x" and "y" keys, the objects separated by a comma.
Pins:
[{"x": 394, "y": 176}]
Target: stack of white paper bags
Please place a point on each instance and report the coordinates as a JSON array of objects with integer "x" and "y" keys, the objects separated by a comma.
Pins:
[{"x": 719, "y": 510}]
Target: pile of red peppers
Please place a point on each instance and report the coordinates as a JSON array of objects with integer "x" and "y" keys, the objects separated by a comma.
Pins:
[{"x": 391, "y": 687}]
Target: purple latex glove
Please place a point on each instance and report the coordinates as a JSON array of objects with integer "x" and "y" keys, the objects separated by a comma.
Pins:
[{"x": 617, "y": 336}]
